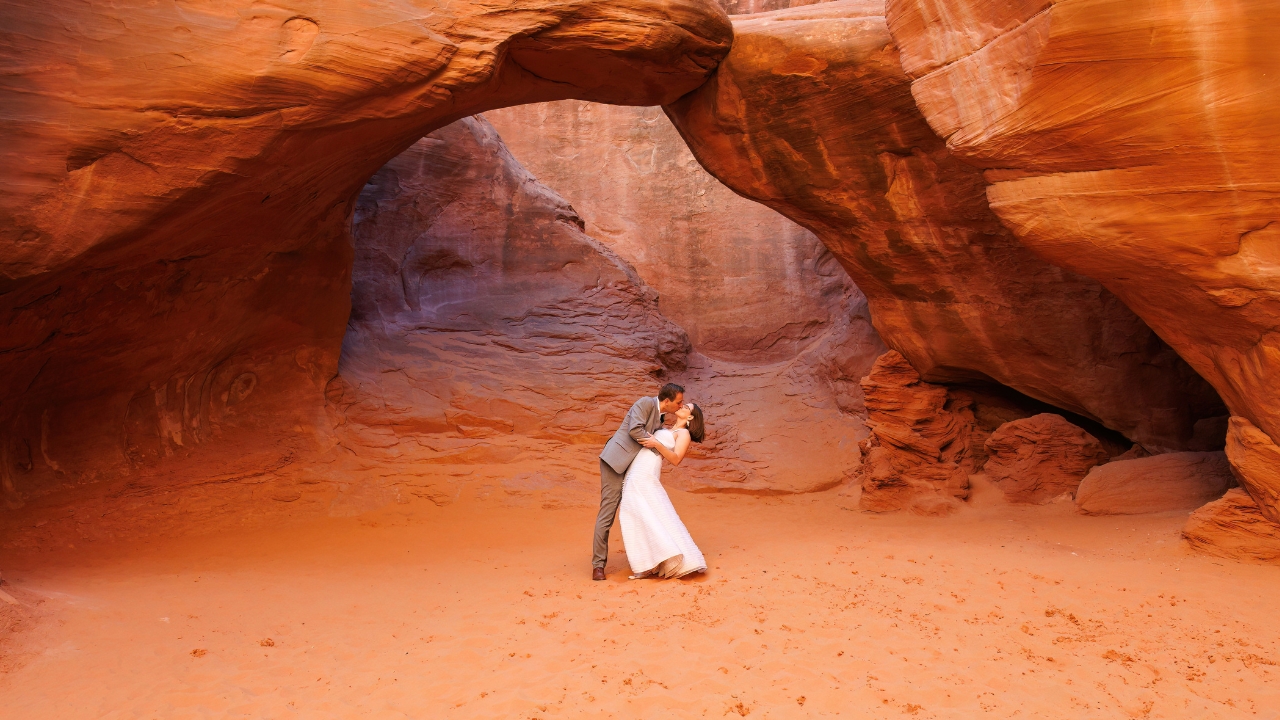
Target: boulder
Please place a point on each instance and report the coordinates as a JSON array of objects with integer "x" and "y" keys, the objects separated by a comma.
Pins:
[
  {"x": 813, "y": 115},
  {"x": 1255, "y": 461},
  {"x": 918, "y": 454},
  {"x": 1131, "y": 141},
  {"x": 1173, "y": 481},
  {"x": 1036, "y": 459},
  {"x": 1233, "y": 527}
]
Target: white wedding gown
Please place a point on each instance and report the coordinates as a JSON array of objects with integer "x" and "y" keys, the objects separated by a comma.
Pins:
[{"x": 655, "y": 539}]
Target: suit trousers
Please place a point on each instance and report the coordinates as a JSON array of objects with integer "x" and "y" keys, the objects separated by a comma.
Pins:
[{"x": 610, "y": 496}]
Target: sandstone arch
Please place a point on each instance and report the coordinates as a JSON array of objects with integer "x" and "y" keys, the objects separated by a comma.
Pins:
[
  {"x": 1131, "y": 142},
  {"x": 176, "y": 207},
  {"x": 812, "y": 114}
]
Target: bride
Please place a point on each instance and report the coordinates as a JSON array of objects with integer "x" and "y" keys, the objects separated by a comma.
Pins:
[{"x": 657, "y": 543}]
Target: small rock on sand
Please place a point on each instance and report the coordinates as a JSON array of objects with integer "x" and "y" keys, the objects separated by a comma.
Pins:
[{"x": 1233, "y": 527}]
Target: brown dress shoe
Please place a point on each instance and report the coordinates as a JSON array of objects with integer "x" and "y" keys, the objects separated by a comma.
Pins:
[{"x": 597, "y": 574}]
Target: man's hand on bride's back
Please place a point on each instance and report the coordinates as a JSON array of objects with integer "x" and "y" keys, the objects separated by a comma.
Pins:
[{"x": 650, "y": 442}]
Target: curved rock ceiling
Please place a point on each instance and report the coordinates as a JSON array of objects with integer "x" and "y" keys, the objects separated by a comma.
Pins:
[
  {"x": 812, "y": 114},
  {"x": 1133, "y": 142},
  {"x": 1075, "y": 199},
  {"x": 176, "y": 211}
]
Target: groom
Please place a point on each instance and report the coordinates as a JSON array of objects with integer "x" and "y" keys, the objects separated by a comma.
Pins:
[{"x": 642, "y": 420}]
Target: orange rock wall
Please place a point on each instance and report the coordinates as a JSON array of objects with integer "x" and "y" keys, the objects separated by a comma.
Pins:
[
  {"x": 919, "y": 454},
  {"x": 812, "y": 114},
  {"x": 745, "y": 282},
  {"x": 176, "y": 192},
  {"x": 1131, "y": 141},
  {"x": 781, "y": 336},
  {"x": 1037, "y": 459},
  {"x": 487, "y": 327}
]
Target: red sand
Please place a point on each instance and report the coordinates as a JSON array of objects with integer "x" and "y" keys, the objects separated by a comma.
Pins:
[{"x": 809, "y": 610}]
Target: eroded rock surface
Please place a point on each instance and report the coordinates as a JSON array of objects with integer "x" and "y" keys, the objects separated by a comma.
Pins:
[
  {"x": 781, "y": 336},
  {"x": 1255, "y": 461},
  {"x": 1173, "y": 481},
  {"x": 919, "y": 455},
  {"x": 1234, "y": 527},
  {"x": 176, "y": 191},
  {"x": 812, "y": 114},
  {"x": 1130, "y": 141},
  {"x": 746, "y": 283},
  {"x": 492, "y": 339},
  {"x": 1036, "y": 459},
  {"x": 487, "y": 327}
]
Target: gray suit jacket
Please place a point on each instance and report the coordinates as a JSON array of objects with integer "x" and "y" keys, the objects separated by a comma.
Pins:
[{"x": 642, "y": 419}]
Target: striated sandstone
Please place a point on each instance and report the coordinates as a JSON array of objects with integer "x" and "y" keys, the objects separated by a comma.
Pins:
[
  {"x": 1036, "y": 459},
  {"x": 918, "y": 455},
  {"x": 492, "y": 339},
  {"x": 1131, "y": 141},
  {"x": 812, "y": 114},
  {"x": 1173, "y": 481},
  {"x": 780, "y": 334},
  {"x": 746, "y": 283},
  {"x": 176, "y": 192},
  {"x": 747, "y": 7},
  {"x": 1255, "y": 462},
  {"x": 1234, "y": 527}
]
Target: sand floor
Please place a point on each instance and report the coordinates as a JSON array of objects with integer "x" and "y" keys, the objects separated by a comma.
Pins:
[{"x": 479, "y": 610}]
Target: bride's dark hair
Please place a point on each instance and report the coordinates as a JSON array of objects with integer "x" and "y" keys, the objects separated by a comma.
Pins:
[{"x": 697, "y": 427}]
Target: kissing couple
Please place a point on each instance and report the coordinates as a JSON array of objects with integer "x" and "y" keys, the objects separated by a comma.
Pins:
[{"x": 658, "y": 545}]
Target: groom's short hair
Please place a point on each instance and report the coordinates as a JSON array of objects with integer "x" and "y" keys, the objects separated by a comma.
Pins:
[{"x": 670, "y": 391}]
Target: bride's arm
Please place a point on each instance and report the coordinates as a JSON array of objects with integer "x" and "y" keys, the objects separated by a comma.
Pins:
[{"x": 673, "y": 456}]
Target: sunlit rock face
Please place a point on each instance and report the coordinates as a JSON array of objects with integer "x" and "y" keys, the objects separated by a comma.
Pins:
[
  {"x": 1039, "y": 458},
  {"x": 491, "y": 336},
  {"x": 747, "y": 284},
  {"x": 1133, "y": 142},
  {"x": 812, "y": 114},
  {"x": 176, "y": 191}
]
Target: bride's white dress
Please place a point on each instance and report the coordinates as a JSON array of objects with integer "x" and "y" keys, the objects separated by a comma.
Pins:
[{"x": 655, "y": 539}]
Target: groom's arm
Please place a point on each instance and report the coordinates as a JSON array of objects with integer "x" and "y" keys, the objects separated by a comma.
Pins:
[{"x": 636, "y": 423}]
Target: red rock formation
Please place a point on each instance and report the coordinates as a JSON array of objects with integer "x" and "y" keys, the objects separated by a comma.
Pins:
[
  {"x": 1234, "y": 527},
  {"x": 784, "y": 427},
  {"x": 1036, "y": 459},
  {"x": 492, "y": 340},
  {"x": 486, "y": 326},
  {"x": 1255, "y": 462},
  {"x": 1173, "y": 481},
  {"x": 176, "y": 194},
  {"x": 747, "y": 7},
  {"x": 1130, "y": 141},
  {"x": 745, "y": 282},
  {"x": 812, "y": 114},
  {"x": 780, "y": 333},
  {"x": 918, "y": 456}
]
